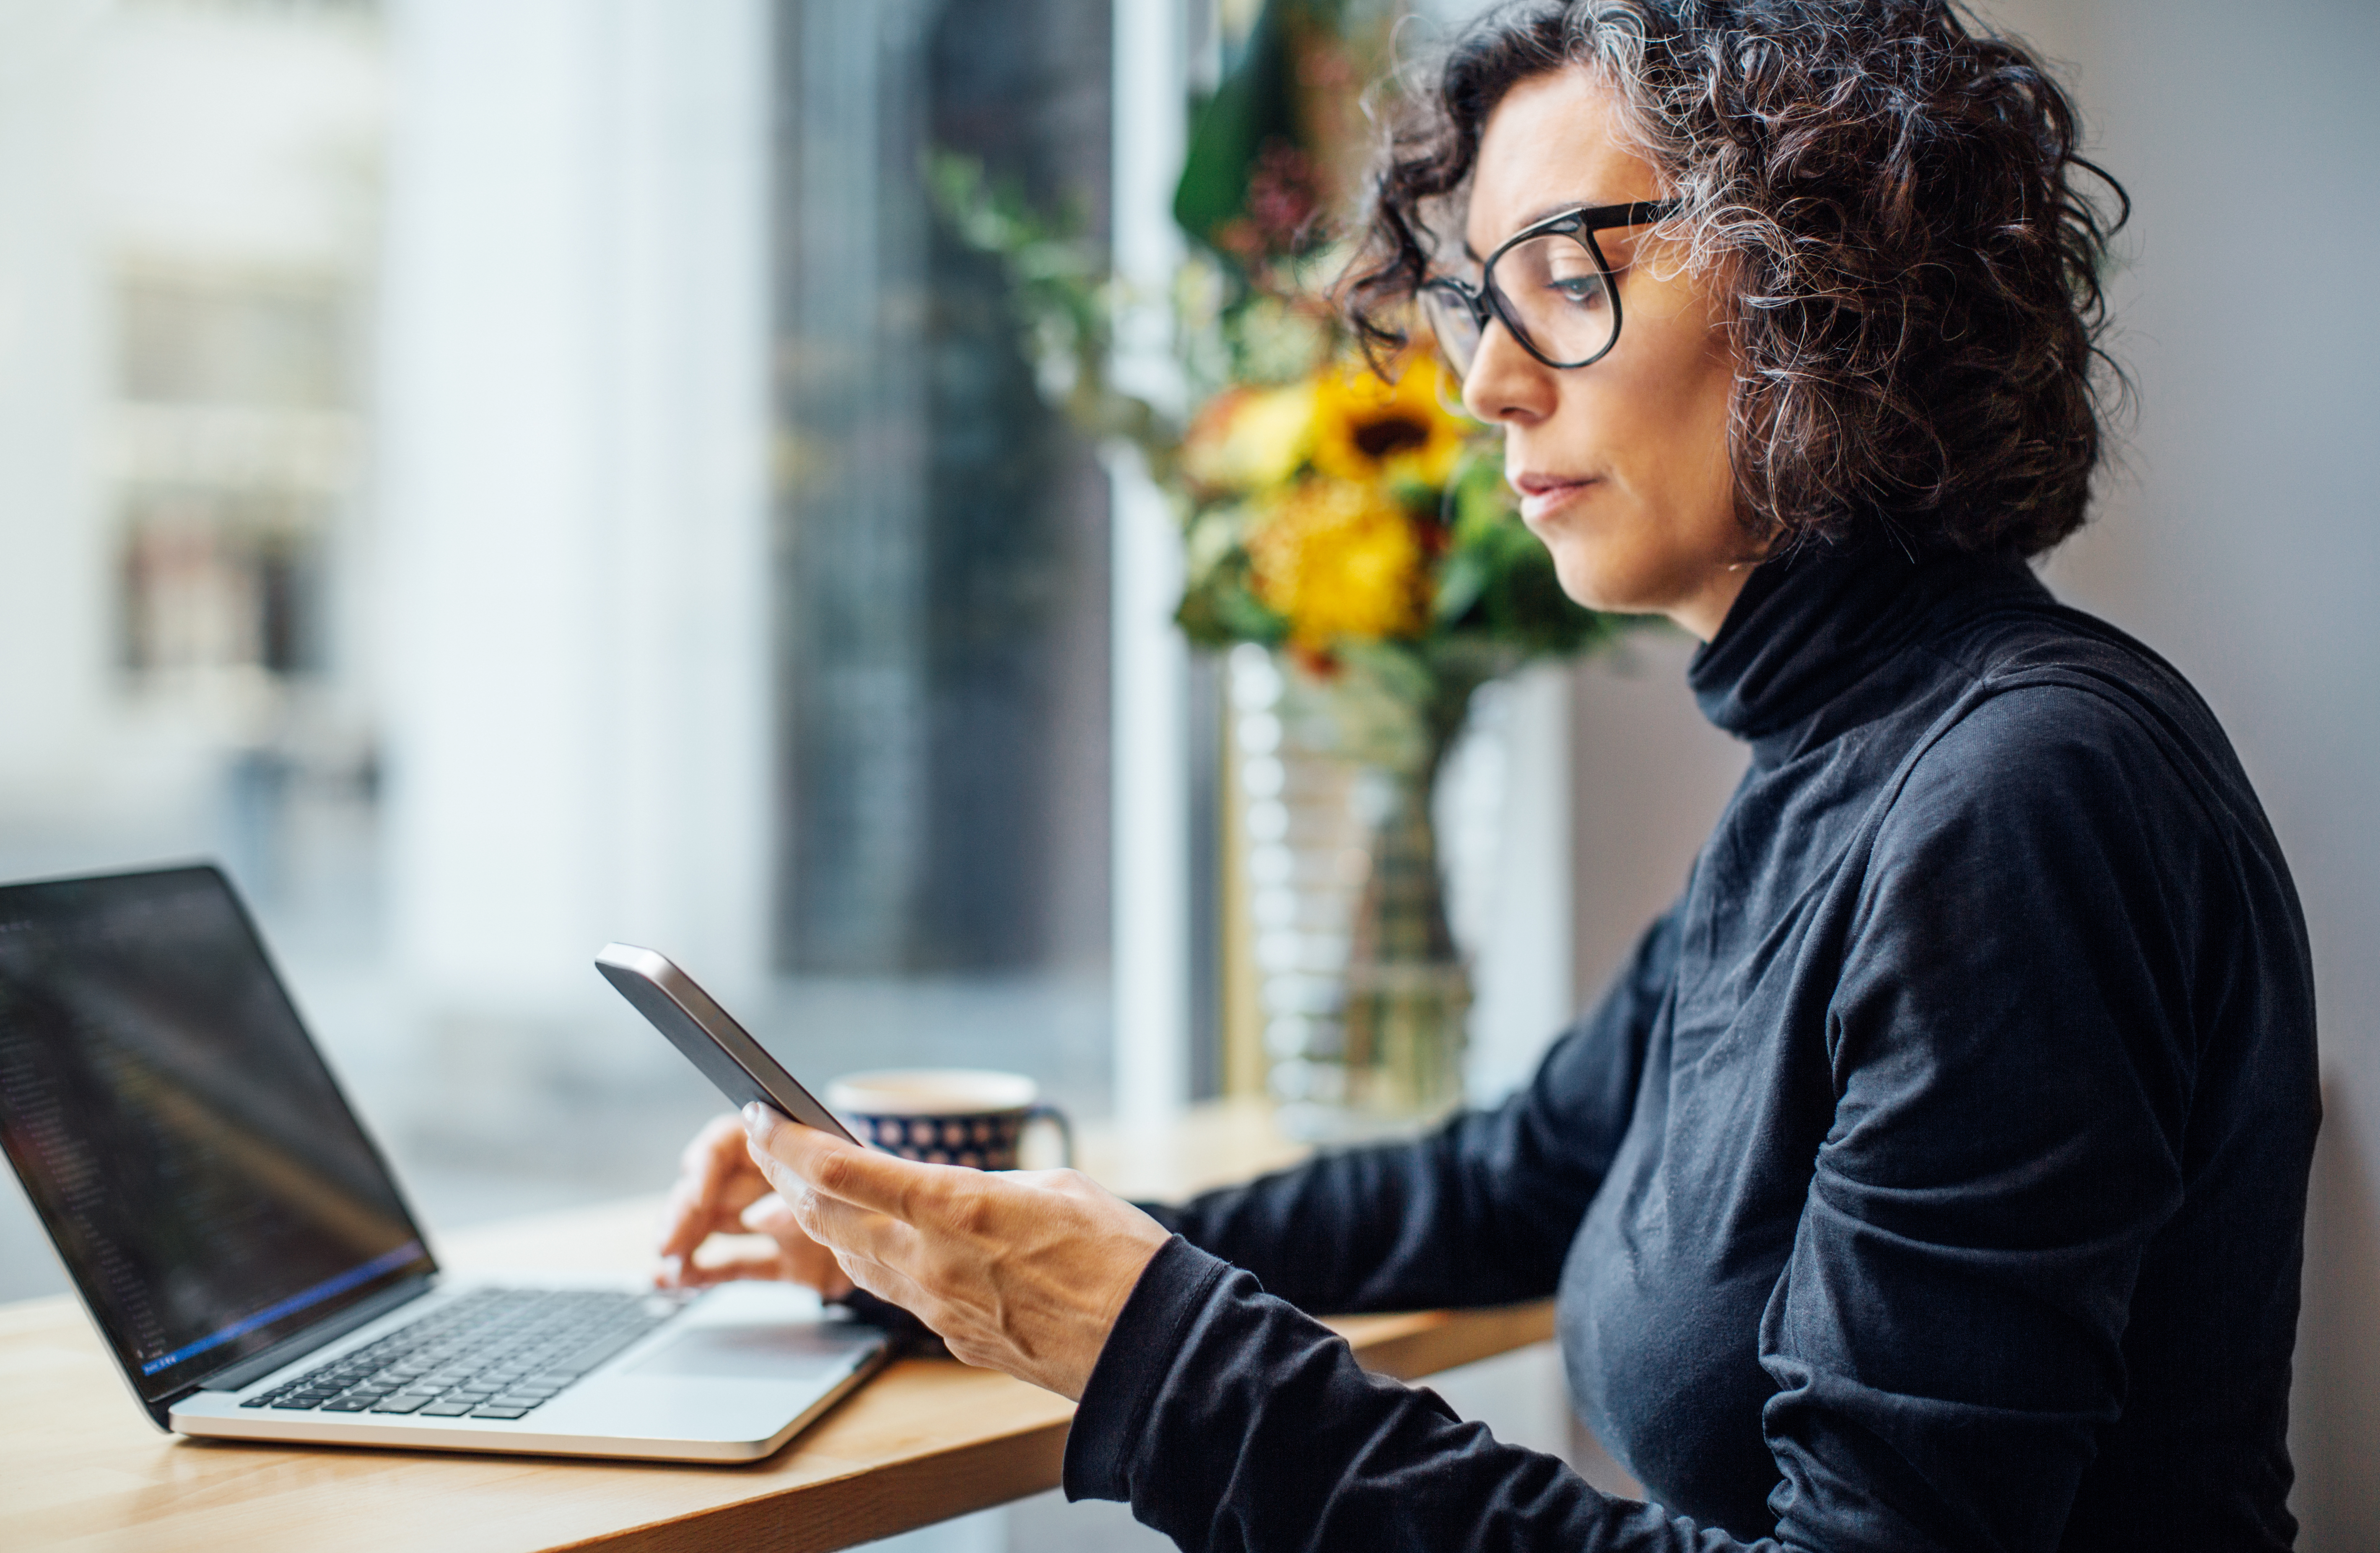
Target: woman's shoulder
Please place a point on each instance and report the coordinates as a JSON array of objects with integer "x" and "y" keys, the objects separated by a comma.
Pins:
[
  {"x": 2057, "y": 702},
  {"x": 2073, "y": 749}
]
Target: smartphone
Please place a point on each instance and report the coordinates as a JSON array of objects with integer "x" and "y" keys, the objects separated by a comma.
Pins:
[{"x": 714, "y": 1043}]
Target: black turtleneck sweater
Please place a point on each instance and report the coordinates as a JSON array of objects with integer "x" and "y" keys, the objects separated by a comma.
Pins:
[{"x": 1931, "y": 1178}]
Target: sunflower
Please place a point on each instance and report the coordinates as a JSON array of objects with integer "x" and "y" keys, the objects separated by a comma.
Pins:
[
  {"x": 1338, "y": 559},
  {"x": 1250, "y": 439},
  {"x": 1396, "y": 432}
]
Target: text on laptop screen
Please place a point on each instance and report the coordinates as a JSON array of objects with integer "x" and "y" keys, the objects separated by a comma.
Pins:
[{"x": 205, "y": 1181}]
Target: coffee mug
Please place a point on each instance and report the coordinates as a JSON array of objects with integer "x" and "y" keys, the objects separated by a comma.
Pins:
[{"x": 946, "y": 1116}]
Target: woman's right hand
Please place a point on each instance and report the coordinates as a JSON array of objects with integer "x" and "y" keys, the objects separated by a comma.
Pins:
[{"x": 721, "y": 1192}]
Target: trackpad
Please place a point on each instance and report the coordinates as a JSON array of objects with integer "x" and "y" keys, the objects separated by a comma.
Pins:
[{"x": 776, "y": 1350}]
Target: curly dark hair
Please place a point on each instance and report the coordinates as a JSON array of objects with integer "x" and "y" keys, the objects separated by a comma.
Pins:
[{"x": 1887, "y": 197}]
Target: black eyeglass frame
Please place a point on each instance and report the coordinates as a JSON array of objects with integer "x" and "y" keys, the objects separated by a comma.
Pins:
[{"x": 1487, "y": 305}]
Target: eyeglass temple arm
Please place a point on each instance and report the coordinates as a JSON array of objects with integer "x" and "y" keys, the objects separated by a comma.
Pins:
[{"x": 1643, "y": 212}]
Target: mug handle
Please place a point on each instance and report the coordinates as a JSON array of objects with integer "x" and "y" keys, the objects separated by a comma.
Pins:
[{"x": 1057, "y": 1119}]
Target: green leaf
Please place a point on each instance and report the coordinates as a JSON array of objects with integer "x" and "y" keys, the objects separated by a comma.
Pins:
[
  {"x": 1254, "y": 104},
  {"x": 1462, "y": 577}
]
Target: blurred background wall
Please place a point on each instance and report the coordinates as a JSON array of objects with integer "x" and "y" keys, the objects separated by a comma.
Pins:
[
  {"x": 422, "y": 487},
  {"x": 504, "y": 479}
]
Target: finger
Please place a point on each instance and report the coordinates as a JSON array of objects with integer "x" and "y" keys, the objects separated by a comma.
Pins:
[
  {"x": 685, "y": 1219},
  {"x": 795, "y": 1158},
  {"x": 711, "y": 1154},
  {"x": 768, "y": 1215},
  {"x": 804, "y": 1260},
  {"x": 727, "y": 1270},
  {"x": 706, "y": 1170},
  {"x": 1073, "y": 1183},
  {"x": 686, "y": 1224},
  {"x": 814, "y": 1269},
  {"x": 847, "y": 1229}
]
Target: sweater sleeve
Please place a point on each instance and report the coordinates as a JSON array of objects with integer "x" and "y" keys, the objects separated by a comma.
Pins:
[
  {"x": 1231, "y": 1421},
  {"x": 1480, "y": 1212},
  {"x": 2011, "y": 1061}
]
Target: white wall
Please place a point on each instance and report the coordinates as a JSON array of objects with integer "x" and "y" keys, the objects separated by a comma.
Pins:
[
  {"x": 191, "y": 138},
  {"x": 1149, "y": 792},
  {"x": 53, "y": 591},
  {"x": 1651, "y": 777},
  {"x": 1504, "y": 812},
  {"x": 576, "y": 509}
]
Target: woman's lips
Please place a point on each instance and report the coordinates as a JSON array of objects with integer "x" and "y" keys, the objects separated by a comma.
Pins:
[{"x": 1541, "y": 494}]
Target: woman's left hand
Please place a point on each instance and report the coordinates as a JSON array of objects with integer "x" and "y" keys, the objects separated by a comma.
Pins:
[{"x": 1022, "y": 1271}]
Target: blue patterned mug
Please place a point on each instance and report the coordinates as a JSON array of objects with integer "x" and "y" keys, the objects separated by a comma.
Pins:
[{"x": 946, "y": 1116}]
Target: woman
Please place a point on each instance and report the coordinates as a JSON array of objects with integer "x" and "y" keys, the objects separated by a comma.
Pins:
[{"x": 1932, "y": 1176}]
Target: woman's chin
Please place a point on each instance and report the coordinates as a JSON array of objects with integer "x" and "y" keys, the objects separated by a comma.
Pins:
[{"x": 1595, "y": 587}]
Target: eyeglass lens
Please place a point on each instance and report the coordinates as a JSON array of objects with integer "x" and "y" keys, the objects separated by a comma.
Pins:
[
  {"x": 1456, "y": 329},
  {"x": 1554, "y": 293}
]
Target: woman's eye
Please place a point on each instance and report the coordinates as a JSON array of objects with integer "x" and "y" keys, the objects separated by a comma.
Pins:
[{"x": 1584, "y": 291}]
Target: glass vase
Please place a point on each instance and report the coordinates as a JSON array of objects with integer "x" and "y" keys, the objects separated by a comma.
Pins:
[
  {"x": 1362, "y": 990},
  {"x": 1407, "y": 990}
]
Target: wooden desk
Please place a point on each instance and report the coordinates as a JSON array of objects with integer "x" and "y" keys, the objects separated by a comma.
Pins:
[{"x": 927, "y": 1439}]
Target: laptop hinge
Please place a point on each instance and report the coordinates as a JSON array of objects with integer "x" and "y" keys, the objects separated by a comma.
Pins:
[{"x": 231, "y": 1378}]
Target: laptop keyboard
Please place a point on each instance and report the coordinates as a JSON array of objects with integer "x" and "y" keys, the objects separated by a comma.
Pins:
[{"x": 493, "y": 1353}]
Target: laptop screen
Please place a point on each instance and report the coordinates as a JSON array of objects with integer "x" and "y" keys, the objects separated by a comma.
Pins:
[{"x": 205, "y": 1182}]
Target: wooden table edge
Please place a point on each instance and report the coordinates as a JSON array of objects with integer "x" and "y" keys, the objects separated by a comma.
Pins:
[{"x": 883, "y": 1500}]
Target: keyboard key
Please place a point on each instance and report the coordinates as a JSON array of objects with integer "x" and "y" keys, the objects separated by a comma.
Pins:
[
  {"x": 504, "y": 1351},
  {"x": 595, "y": 1354}
]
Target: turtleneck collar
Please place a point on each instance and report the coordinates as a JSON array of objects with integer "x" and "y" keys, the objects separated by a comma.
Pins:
[{"x": 1812, "y": 625}]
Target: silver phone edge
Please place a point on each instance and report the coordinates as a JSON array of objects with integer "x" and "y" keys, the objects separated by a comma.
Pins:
[{"x": 663, "y": 974}]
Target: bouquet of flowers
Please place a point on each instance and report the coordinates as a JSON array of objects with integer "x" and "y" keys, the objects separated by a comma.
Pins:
[{"x": 1359, "y": 521}]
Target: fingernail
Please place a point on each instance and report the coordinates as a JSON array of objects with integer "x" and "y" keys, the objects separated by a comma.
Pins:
[{"x": 756, "y": 1119}]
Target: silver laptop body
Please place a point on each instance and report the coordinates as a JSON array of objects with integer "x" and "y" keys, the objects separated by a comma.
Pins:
[{"x": 249, "y": 1259}]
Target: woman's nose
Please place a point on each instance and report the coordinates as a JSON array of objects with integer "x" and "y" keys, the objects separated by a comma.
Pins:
[{"x": 1505, "y": 383}]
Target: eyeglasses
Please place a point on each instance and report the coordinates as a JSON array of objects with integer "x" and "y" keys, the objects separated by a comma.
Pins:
[{"x": 1549, "y": 283}]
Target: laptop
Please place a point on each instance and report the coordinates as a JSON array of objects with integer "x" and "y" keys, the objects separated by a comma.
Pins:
[{"x": 247, "y": 1257}]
